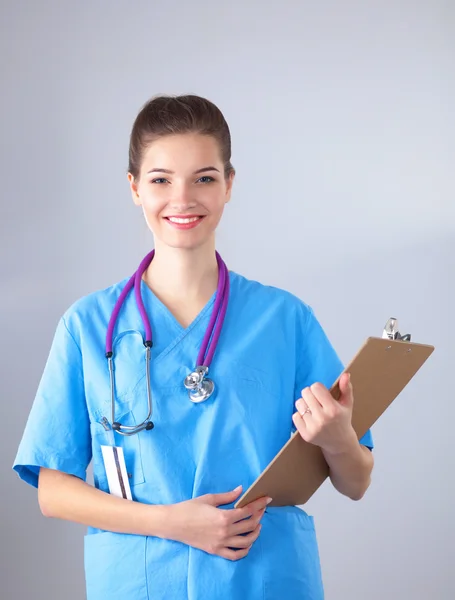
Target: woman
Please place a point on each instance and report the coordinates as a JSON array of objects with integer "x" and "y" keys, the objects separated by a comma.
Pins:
[{"x": 181, "y": 537}]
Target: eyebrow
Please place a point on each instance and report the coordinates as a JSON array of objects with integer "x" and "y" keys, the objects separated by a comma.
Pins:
[{"x": 203, "y": 170}]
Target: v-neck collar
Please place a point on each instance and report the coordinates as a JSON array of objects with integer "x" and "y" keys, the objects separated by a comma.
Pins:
[
  {"x": 152, "y": 300},
  {"x": 146, "y": 290}
]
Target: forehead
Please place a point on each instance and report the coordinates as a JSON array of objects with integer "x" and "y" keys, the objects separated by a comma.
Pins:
[{"x": 189, "y": 151}]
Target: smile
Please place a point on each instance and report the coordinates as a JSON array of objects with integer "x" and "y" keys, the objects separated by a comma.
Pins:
[{"x": 184, "y": 222}]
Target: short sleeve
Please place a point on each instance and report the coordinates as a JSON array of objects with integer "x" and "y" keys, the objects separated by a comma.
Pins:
[
  {"x": 318, "y": 360},
  {"x": 57, "y": 432}
]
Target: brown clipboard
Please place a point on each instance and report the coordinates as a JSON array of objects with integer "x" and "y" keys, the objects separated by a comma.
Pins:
[{"x": 380, "y": 370}]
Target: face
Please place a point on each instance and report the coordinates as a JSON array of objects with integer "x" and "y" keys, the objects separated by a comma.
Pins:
[{"x": 182, "y": 189}]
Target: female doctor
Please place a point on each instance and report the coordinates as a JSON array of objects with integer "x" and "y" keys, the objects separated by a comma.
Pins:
[{"x": 181, "y": 383}]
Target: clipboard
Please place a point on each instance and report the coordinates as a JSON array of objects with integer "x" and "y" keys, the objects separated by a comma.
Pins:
[{"x": 380, "y": 370}]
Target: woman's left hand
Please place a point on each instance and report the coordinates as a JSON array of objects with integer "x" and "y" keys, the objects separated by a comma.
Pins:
[{"x": 324, "y": 421}]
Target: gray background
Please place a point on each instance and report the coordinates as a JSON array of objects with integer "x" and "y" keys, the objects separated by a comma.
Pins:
[{"x": 342, "y": 117}]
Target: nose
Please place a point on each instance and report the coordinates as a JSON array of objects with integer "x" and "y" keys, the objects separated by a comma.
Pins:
[{"x": 182, "y": 199}]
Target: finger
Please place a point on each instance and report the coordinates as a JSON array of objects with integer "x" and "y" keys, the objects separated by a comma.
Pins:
[
  {"x": 344, "y": 382},
  {"x": 244, "y": 541},
  {"x": 233, "y": 554},
  {"x": 346, "y": 389},
  {"x": 300, "y": 424},
  {"x": 247, "y": 525},
  {"x": 237, "y": 514},
  {"x": 224, "y": 498},
  {"x": 312, "y": 403},
  {"x": 301, "y": 406},
  {"x": 323, "y": 396}
]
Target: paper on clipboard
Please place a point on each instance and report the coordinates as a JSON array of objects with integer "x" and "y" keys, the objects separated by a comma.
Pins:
[{"x": 380, "y": 370}]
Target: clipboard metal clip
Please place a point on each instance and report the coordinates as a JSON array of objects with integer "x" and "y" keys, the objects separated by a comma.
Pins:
[{"x": 391, "y": 331}]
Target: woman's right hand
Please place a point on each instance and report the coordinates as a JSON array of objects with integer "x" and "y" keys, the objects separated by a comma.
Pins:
[{"x": 201, "y": 524}]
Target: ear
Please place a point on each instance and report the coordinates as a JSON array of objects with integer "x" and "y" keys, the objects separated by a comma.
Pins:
[
  {"x": 134, "y": 192},
  {"x": 229, "y": 184}
]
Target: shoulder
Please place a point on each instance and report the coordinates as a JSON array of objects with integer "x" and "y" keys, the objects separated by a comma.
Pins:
[
  {"x": 93, "y": 308},
  {"x": 261, "y": 295}
]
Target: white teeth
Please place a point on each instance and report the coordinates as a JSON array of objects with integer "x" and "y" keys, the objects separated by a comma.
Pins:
[{"x": 182, "y": 221}]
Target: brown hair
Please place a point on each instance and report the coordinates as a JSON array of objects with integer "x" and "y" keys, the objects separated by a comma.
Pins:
[{"x": 170, "y": 115}]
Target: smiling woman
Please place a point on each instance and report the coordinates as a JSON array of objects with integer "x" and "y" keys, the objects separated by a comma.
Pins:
[{"x": 161, "y": 521}]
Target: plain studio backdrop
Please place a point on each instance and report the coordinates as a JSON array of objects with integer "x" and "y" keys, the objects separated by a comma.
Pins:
[{"x": 342, "y": 119}]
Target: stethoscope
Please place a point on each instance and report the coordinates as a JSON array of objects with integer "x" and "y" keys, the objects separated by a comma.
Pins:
[{"x": 198, "y": 385}]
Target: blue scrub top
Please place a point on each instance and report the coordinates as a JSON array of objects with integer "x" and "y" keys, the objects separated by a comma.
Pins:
[{"x": 271, "y": 347}]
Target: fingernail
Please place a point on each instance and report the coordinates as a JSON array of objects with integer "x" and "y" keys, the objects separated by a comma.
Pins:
[
  {"x": 239, "y": 487},
  {"x": 269, "y": 500}
]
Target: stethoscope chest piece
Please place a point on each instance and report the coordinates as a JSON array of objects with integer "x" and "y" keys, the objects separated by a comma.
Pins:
[{"x": 199, "y": 387}]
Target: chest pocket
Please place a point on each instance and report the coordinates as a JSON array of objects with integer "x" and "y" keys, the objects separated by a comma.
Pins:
[{"x": 131, "y": 449}]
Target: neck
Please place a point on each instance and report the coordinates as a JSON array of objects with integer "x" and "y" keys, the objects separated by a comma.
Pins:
[{"x": 183, "y": 274}]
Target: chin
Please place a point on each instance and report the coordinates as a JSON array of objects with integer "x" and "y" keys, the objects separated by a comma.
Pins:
[{"x": 186, "y": 242}]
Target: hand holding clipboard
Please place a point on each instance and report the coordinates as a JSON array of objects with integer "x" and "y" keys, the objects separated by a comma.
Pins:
[{"x": 380, "y": 370}]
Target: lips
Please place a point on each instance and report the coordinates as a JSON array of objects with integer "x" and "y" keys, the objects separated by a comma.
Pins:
[
  {"x": 184, "y": 221},
  {"x": 184, "y": 218}
]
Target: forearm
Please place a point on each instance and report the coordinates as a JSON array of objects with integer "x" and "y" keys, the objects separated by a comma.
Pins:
[
  {"x": 63, "y": 496},
  {"x": 350, "y": 468}
]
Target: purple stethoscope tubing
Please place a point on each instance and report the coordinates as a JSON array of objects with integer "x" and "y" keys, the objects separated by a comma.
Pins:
[{"x": 199, "y": 387}]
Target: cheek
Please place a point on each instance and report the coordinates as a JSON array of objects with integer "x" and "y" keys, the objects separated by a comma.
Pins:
[
  {"x": 214, "y": 201},
  {"x": 151, "y": 210},
  {"x": 153, "y": 203},
  {"x": 216, "y": 209},
  {"x": 218, "y": 213}
]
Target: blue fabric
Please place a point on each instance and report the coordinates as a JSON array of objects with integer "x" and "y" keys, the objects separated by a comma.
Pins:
[
  {"x": 320, "y": 362},
  {"x": 271, "y": 347}
]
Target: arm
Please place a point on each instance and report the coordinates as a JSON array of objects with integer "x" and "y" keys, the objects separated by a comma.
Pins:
[
  {"x": 197, "y": 522},
  {"x": 64, "y": 496},
  {"x": 350, "y": 468}
]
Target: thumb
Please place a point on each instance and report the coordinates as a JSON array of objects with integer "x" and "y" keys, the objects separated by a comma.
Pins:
[
  {"x": 347, "y": 394},
  {"x": 224, "y": 498}
]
